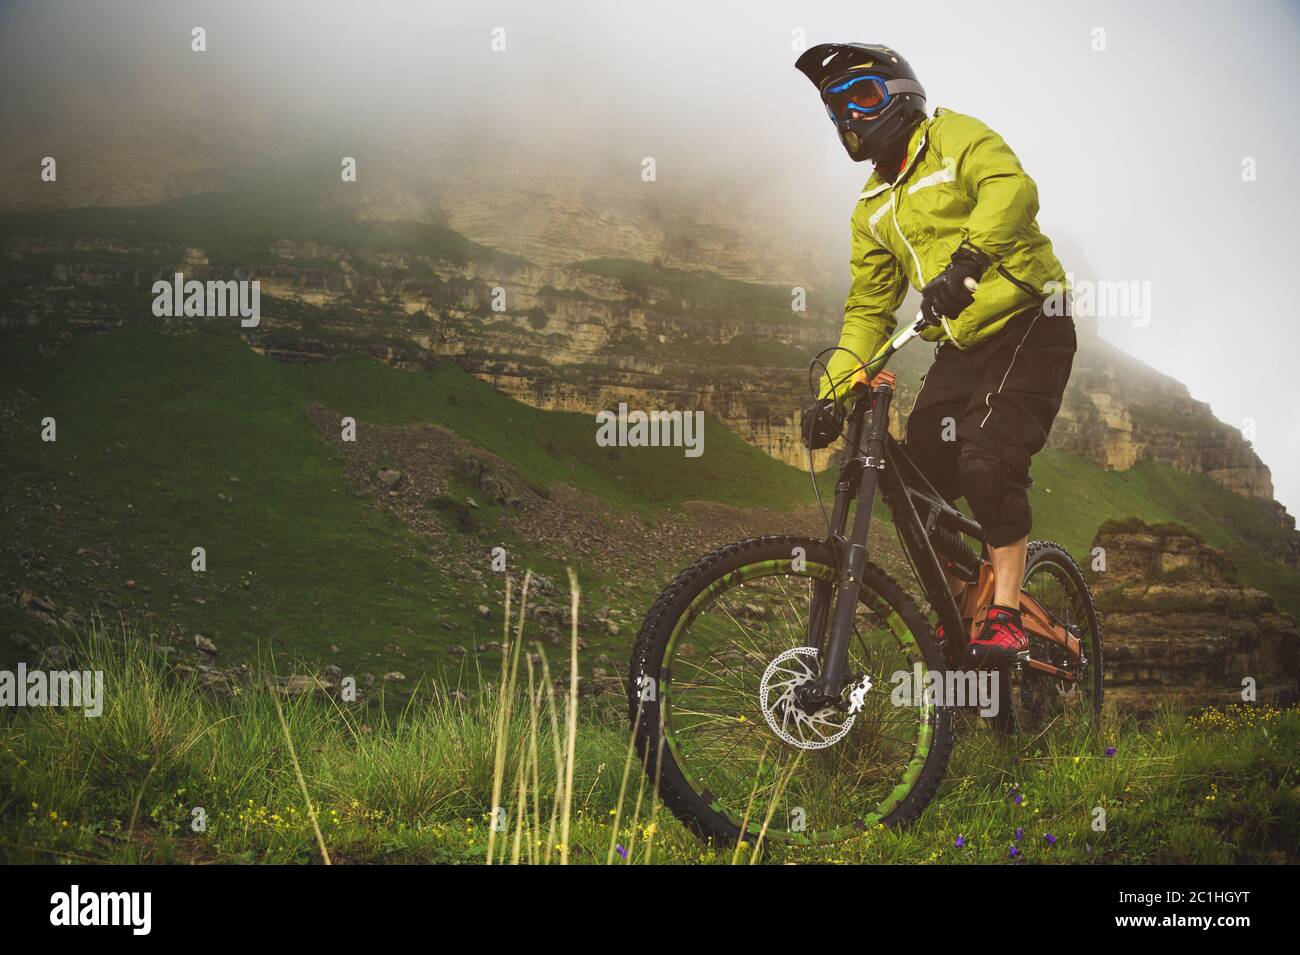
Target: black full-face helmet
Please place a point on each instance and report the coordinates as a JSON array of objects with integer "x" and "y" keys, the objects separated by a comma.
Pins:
[{"x": 870, "y": 92}]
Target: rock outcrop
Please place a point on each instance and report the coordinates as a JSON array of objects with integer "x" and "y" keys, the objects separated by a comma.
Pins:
[
  {"x": 585, "y": 337},
  {"x": 1177, "y": 626}
]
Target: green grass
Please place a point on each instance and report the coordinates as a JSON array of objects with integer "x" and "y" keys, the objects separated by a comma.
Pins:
[
  {"x": 153, "y": 427},
  {"x": 165, "y": 444},
  {"x": 166, "y": 393},
  {"x": 418, "y": 787}
]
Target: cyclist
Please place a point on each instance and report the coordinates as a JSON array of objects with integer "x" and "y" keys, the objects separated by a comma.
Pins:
[{"x": 949, "y": 202}]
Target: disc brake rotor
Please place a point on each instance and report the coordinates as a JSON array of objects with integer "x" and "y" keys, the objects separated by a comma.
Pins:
[{"x": 790, "y": 722}]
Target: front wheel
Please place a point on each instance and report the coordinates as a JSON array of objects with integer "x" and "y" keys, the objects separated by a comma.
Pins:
[{"x": 712, "y": 706}]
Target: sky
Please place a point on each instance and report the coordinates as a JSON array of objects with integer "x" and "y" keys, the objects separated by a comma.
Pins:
[{"x": 1137, "y": 147}]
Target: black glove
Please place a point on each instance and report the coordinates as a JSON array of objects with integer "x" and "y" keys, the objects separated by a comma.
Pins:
[
  {"x": 946, "y": 295},
  {"x": 821, "y": 424}
]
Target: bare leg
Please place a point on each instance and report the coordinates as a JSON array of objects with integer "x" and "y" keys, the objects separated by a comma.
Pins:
[{"x": 1009, "y": 572}]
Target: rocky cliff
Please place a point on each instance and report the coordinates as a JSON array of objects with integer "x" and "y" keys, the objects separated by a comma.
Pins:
[
  {"x": 586, "y": 336},
  {"x": 1177, "y": 625}
]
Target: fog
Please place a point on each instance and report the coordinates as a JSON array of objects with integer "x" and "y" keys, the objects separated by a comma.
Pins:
[{"x": 1137, "y": 149}]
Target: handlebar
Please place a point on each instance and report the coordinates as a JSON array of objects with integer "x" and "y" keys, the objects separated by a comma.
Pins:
[{"x": 864, "y": 375}]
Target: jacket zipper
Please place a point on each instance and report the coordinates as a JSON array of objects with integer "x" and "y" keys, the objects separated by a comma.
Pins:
[
  {"x": 916, "y": 260},
  {"x": 920, "y": 276}
]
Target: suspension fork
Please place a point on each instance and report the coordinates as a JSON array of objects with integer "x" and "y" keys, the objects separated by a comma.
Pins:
[
  {"x": 824, "y": 590},
  {"x": 862, "y": 465}
]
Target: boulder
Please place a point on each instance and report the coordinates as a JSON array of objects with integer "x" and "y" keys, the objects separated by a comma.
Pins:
[{"x": 490, "y": 475}]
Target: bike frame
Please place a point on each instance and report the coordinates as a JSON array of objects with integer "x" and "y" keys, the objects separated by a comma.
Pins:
[{"x": 873, "y": 461}]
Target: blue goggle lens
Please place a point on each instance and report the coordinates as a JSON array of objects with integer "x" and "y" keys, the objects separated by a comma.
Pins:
[{"x": 860, "y": 94}]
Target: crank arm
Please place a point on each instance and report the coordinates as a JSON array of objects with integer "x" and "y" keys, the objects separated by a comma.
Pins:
[{"x": 1050, "y": 670}]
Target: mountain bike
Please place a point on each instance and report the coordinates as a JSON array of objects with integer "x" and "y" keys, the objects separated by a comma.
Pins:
[{"x": 790, "y": 687}]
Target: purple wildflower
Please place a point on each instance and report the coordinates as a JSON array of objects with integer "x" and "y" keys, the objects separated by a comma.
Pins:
[
  {"x": 1051, "y": 839},
  {"x": 1017, "y": 799},
  {"x": 1110, "y": 750},
  {"x": 621, "y": 851},
  {"x": 961, "y": 842},
  {"x": 1015, "y": 853},
  {"x": 1019, "y": 832}
]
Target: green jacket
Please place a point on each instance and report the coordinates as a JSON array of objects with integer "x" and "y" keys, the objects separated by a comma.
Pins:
[{"x": 961, "y": 181}]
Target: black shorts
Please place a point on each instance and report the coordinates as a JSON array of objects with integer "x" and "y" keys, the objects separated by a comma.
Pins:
[{"x": 1001, "y": 397}]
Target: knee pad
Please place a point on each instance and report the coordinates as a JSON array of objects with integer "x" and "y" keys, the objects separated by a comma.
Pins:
[
  {"x": 983, "y": 477},
  {"x": 999, "y": 503}
]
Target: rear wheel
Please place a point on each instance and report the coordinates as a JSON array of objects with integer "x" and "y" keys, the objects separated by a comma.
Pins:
[
  {"x": 712, "y": 701},
  {"x": 1032, "y": 699}
]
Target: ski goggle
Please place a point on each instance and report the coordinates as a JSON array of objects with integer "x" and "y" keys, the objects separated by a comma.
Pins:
[{"x": 865, "y": 95}]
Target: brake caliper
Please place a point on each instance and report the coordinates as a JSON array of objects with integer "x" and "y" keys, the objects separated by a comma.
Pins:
[{"x": 858, "y": 693}]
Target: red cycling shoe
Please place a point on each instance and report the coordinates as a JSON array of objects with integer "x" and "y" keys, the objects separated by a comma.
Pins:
[{"x": 1002, "y": 635}]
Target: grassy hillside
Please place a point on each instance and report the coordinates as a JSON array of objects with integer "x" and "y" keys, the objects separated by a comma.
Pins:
[
  {"x": 167, "y": 442},
  {"x": 237, "y": 225},
  {"x": 1072, "y": 496}
]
